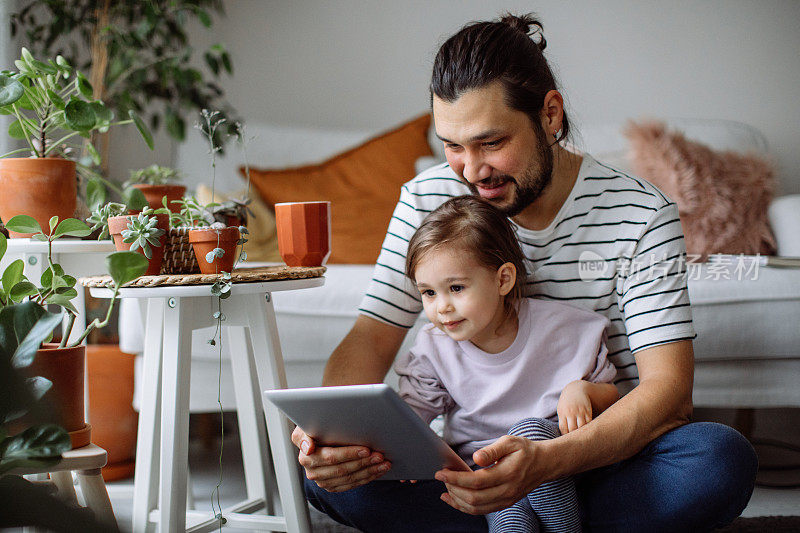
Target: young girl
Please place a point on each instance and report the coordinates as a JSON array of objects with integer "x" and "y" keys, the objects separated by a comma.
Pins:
[{"x": 494, "y": 362}]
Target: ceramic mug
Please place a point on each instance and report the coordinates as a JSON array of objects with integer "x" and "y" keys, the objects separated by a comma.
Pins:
[{"x": 304, "y": 232}]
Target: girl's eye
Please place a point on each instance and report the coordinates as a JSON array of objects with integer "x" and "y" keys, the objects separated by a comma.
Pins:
[
  {"x": 456, "y": 288},
  {"x": 428, "y": 293}
]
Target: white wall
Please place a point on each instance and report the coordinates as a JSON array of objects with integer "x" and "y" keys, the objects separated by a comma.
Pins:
[{"x": 366, "y": 64}]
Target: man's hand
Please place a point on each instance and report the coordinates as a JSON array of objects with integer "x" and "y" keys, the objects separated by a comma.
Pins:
[
  {"x": 516, "y": 471},
  {"x": 340, "y": 468},
  {"x": 574, "y": 407}
]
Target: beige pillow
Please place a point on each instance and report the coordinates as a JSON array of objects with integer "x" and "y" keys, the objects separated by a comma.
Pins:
[{"x": 262, "y": 243}]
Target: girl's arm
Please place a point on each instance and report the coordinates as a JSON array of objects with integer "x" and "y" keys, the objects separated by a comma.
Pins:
[{"x": 581, "y": 401}]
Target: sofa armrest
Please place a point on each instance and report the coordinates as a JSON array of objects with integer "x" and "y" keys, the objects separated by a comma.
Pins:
[{"x": 784, "y": 218}]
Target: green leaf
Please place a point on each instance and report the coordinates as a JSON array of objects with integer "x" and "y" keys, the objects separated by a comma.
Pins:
[
  {"x": 72, "y": 227},
  {"x": 21, "y": 290},
  {"x": 57, "y": 100},
  {"x": 142, "y": 127},
  {"x": 11, "y": 90},
  {"x": 53, "y": 223},
  {"x": 79, "y": 115},
  {"x": 37, "y": 445},
  {"x": 134, "y": 199},
  {"x": 96, "y": 194},
  {"x": 38, "y": 386},
  {"x": 23, "y": 328},
  {"x": 13, "y": 274},
  {"x": 103, "y": 114},
  {"x": 212, "y": 63},
  {"x": 44, "y": 67},
  {"x": 175, "y": 125},
  {"x": 23, "y": 224},
  {"x": 83, "y": 85},
  {"x": 93, "y": 153},
  {"x": 3, "y": 245},
  {"x": 15, "y": 130},
  {"x": 204, "y": 18},
  {"x": 226, "y": 62},
  {"x": 125, "y": 266}
]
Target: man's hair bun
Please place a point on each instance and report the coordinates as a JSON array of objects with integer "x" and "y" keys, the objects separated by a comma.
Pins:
[{"x": 528, "y": 25}]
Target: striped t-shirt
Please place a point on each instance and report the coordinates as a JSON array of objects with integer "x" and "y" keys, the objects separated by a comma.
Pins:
[{"x": 615, "y": 247}]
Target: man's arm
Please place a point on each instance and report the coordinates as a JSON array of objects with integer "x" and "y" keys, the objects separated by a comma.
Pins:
[
  {"x": 662, "y": 401},
  {"x": 365, "y": 354}
]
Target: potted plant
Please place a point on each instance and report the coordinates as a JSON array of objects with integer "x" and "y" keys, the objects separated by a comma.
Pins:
[
  {"x": 53, "y": 107},
  {"x": 157, "y": 182},
  {"x": 144, "y": 232},
  {"x": 62, "y": 364}
]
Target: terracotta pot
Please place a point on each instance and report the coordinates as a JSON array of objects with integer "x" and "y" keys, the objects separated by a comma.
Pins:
[
  {"x": 39, "y": 187},
  {"x": 117, "y": 224},
  {"x": 155, "y": 193},
  {"x": 206, "y": 239},
  {"x": 304, "y": 232},
  {"x": 114, "y": 421},
  {"x": 63, "y": 402}
]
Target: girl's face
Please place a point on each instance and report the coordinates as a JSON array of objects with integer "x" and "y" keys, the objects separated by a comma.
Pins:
[{"x": 465, "y": 299}]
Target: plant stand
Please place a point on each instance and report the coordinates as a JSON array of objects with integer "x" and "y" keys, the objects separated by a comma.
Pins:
[{"x": 173, "y": 311}]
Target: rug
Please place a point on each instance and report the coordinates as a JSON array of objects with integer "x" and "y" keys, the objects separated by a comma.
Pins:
[{"x": 773, "y": 524}]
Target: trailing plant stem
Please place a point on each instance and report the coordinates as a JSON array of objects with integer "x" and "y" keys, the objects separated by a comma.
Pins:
[
  {"x": 96, "y": 323},
  {"x": 67, "y": 330}
]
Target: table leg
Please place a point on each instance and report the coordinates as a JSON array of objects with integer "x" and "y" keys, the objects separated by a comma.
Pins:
[
  {"x": 145, "y": 492},
  {"x": 272, "y": 375},
  {"x": 252, "y": 431},
  {"x": 175, "y": 414}
]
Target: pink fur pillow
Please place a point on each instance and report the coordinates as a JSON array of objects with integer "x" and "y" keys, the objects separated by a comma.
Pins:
[{"x": 722, "y": 197}]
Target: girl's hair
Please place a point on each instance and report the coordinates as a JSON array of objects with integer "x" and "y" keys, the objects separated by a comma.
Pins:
[
  {"x": 477, "y": 228},
  {"x": 483, "y": 52}
]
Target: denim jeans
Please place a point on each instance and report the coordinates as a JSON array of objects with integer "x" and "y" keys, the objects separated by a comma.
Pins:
[{"x": 694, "y": 478}]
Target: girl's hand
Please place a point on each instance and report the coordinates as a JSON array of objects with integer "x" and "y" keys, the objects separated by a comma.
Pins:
[{"x": 574, "y": 407}]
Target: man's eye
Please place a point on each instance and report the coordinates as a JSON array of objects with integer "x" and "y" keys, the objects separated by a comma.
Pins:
[
  {"x": 451, "y": 146},
  {"x": 456, "y": 288},
  {"x": 491, "y": 144}
]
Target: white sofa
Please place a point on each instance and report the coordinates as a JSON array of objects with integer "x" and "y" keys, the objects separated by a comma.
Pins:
[{"x": 748, "y": 344}]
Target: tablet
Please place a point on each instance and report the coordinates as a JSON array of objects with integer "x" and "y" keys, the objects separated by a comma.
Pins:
[{"x": 373, "y": 416}]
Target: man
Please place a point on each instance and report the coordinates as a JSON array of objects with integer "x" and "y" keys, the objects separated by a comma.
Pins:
[{"x": 639, "y": 465}]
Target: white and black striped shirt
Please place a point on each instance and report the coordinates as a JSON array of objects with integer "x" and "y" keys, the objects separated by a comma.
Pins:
[{"x": 616, "y": 247}]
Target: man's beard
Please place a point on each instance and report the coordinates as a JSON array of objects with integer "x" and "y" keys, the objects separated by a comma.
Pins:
[{"x": 530, "y": 186}]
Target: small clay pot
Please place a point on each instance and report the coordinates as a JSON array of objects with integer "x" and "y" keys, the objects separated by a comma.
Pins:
[
  {"x": 304, "y": 232},
  {"x": 62, "y": 404},
  {"x": 39, "y": 187},
  {"x": 206, "y": 239},
  {"x": 155, "y": 193},
  {"x": 117, "y": 224}
]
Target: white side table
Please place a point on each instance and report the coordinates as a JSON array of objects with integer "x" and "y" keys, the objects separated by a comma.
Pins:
[
  {"x": 257, "y": 364},
  {"x": 79, "y": 258}
]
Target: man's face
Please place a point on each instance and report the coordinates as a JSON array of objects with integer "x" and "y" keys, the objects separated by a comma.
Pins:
[{"x": 500, "y": 154}]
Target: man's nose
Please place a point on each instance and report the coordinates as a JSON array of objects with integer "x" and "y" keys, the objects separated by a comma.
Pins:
[{"x": 476, "y": 169}]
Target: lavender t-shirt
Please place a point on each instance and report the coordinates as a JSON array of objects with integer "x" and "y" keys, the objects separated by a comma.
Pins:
[{"x": 482, "y": 394}]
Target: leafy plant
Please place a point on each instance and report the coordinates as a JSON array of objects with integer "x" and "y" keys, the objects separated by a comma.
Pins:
[
  {"x": 55, "y": 286},
  {"x": 139, "y": 53},
  {"x": 53, "y": 104},
  {"x": 99, "y": 217},
  {"x": 154, "y": 175},
  {"x": 142, "y": 233}
]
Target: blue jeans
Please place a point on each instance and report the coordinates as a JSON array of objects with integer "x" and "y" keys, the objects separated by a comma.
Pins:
[{"x": 694, "y": 478}]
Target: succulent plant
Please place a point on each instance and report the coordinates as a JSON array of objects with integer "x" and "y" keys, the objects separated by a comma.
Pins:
[
  {"x": 142, "y": 233},
  {"x": 99, "y": 217}
]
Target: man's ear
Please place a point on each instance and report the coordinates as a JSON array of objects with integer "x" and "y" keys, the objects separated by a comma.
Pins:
[
  {"x": 506, "y": 277},
  {"x": 552, "y": 112}
]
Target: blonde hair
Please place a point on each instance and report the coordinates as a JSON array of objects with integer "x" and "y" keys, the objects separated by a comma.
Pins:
[{"x": 478, "y": 228}]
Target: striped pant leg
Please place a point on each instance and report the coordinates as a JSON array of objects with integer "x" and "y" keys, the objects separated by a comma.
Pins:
[
  {"x": 555, "y": 503},
  {"x": 519, "y": 518}
]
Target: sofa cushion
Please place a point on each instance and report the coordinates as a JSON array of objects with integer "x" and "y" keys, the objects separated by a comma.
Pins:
[
  {"x": 362, "y": 185},
  {"x": 722, "y": 197}
]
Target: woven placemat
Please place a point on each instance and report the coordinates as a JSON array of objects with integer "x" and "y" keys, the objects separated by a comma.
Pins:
[{"x": 240, "y": 275}]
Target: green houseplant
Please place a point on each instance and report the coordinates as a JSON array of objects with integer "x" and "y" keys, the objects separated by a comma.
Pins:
[
  {"x": 156, "y": 182},
  {"x": 139, "y": 55},
  {"x": 62, "y": 364},
  {"x": 53, "y": 108}
]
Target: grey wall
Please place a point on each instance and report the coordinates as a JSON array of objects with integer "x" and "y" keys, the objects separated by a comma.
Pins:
[{"x": 366, "y": 64}]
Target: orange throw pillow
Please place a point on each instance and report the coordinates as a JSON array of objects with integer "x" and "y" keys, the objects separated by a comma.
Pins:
[{"x": 362, "y": 184}]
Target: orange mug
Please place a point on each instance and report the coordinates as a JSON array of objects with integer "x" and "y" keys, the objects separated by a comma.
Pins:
[{"x": 304, "y": 232}]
